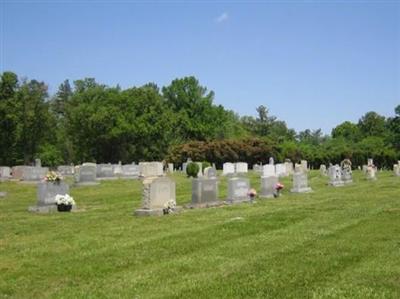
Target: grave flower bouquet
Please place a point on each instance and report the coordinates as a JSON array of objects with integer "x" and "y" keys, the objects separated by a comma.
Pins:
[
  {"x": 278, "y": 187},
  {"x": 53, "y": 177},
  {"x": 66, "y": 200},
  {"x": 169, "y": 206},
  {"x": 252, "y": 193}
]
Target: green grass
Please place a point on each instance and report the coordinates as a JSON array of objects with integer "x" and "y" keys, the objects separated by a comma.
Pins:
[{"x": 332, "y": 243}]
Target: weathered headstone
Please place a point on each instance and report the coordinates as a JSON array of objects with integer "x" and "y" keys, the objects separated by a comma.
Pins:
[
  {"x": 238, "y": 189},
  {"x": 300, "y": 181},
  {"x": 204, "y": 191},
  {"x": 38, "y": 163},
  {"x": 46, "y": 195},
  {"x": 200, "y": 173},
  {"x": 5, "y": 173},
  {"x": 257, "y": 168},
  {"x": 304, "y": 165},
  {"x": 241, "y": 167},
  {"x": 157, "y": 193},
  {"x": 184, "y": 165},
  {"x": 117, "y": 169},
  {"x": 335, "y": 176},
  {"x": 322, "y": 169},
  {"x": 271, "y": 161},
  {"x": 228, "y": 168},
  {"x": 150, "y": 169},
  {"x": 280, "y": 170},
  {"x": 396, "y": 169},
  {"x": 268, "y": 170},
  {"x": 105, "y": 171},
  {"x": 18, "y": 171},
  {"x": 171, "y": 167},
  {"x": 210, "y": 172},
  {"x": 289, "y": 167},
  {"x": 130, "y": 171},
  {"x": 347, "y": 176},
  {"x": 66, "y": 170},
  {"x": 85, "y": 174},
  {"x": 268, "y": 185},
  {"x": 34, "y": 174},
  {"x": 371, "y": 173}
]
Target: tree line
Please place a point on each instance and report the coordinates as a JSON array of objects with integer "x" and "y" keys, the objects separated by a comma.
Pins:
[{"x": 88, "y": 121}]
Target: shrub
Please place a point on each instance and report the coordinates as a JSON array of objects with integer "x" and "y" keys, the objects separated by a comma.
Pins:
[
  {"x": 205, "y": 164},
  {"x": 192, "y": 169}
]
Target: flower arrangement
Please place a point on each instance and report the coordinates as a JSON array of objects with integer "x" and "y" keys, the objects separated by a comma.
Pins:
[
  {"x": 53, "y": 177},
  {"x": 278, "y": 187},
  {"x": 66, "y": 200},
  {"x": 169, "y": 206},
  {"x": 252, "y": 193}
]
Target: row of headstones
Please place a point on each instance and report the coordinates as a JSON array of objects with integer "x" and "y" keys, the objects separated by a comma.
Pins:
[{"x": 159, "y": 191}]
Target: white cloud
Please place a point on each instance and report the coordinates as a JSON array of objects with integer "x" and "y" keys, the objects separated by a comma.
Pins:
[{"x": 222, "y": 18}]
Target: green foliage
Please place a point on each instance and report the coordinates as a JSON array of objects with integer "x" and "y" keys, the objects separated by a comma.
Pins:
[
  {"x": 192, "y": 169},
  {"x": 205, "y": 164},
  {"x": 50, "y": 155}
]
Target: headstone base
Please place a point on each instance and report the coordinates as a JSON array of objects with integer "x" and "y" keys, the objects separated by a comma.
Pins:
[
  {"x": 155, "y": 212},
  {"x": 211, "y": 204},
  {"x": 237, "y": 201},
  {"x": 346, "y": 182},
  {"x": 86, "y": 184},
  {"x": 47, "y": 209},
  {"x": 336, "y": 184},
  {"x": 107, "y": 178},
  {"x": 301, "y": 190}
]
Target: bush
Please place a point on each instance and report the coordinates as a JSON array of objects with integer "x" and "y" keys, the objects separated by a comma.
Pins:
[
  {"x": 192, "y": 169},
  {"x": 205, "y": 164}
]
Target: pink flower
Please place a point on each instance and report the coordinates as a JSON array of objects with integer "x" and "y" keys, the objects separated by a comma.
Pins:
[{"x": 279, "y": 186}]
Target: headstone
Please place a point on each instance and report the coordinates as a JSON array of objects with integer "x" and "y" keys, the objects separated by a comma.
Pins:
[
  {"x": 241, "y": 167},
  {"x": 268, "y": 185},
  {"x": 171, "y": 167},
  {"x": 65, "y": 170},
  {"x": 322, "y": 169},
  {"x": 18, "y": 171},
  {"x": 85, "y": 174},
  {"x": 365, "y": 169},
  {"x": 157, "y": 192},
  {"x": 300, "y": 181},
  {"x": 184, "y": 165},
  {"x": 200, "y": 173},
  {"x": 34, "y": 174},
  {"x": 150, "y": 169},
  {"x": 257, "y": 168},
  {"x": 396, "y": 169},
  {"x": 204, "y": 191},
  {"x": 210, "y": 172},
  {"x": 347, "y": 176},
  {"x": 289, "y": 167},
  {"x": 304, "y": 165},
  {"x": 38, "y": 163},
  {"x": 5, "y": 173},
  {"x": 46, "y": 195},
  {"x": 105, "y": 171},
  {"x": 117, "y": 169},
  {"x": 335, "y": 176},
  {"x": 370, "y": 162},
  {"x": 238, "y": 189},
  {"x": 268, "y": 170},
  {"x": 271, "y": 161},
  {"x": 228, "y": 168},
  {"x": 130, "y": 171},
  {"x": 280, "y": 170},
  {"x": 371, "y": 172}
]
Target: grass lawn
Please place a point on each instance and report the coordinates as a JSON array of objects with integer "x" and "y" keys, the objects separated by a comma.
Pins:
[{"x": 332, "y": 243}]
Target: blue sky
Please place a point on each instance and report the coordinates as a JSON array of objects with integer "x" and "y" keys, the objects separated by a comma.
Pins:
[{"x": 314, "y": 64}]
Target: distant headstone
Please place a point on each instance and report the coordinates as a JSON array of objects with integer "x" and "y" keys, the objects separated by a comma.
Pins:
[
  {"x": 5, "y": 172},
  {"x": 130, "y": 171},
  {"x": 105, "y": 171},
  {"x": 66, "y": 170},
  {"x": 271, "y": 161},
  {"x": 204, "y": 191},
  {"x": 371, "y": 172},
  {"x": 241, "y": 167},
  {"x": 200, "y": 173},
  {"x": 228, "y": 168},
  {"x": 304, "y": 165},
  {"x": 171, "y": 167},
  {"x": 322, "y": 169},
  {"x": 347, "y": 176},
  {"x": 257, "y": 168},
  {"x": 268, "y": 170},
  {"x": 396, "y": 169},
  {"x": 289, "y": 167},
  {"x": 149, "y": 169},
  {"x": 280, "y": 170},
  {"x": 38, "y": 163},
  {"x": 300, "y": 181},
  {"x": 184, "y": 165},
  {"x": 117, "y": 169},
  {"x": 46, "y": 195},
  {"x": 157, "y": 193},
  {"x": 34, "y": 174},
  {"x": 18, "y": 171},
  {"x": 335, "y": 176},
  {"x": 238, "y": 189},
  {"x": 85, "y": 174},
  {"x": 370, "y": 162},
  {"x": 268, "y": 185},
  {"x": 210, "y": 172}
]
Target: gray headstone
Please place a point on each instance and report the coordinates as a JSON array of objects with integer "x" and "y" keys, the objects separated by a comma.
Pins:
[
  {"x": 238, "y": 189},
  {"x": 268, "y": 170},
  {"x": 31, "y": 173},
  {"x": 335, "y": 176},
  {"x": 46, "y": 195},
  {"x": 150, "y": 169},
  {"x": 104, "y": 171},
  {"x": 268, "y": 184},
  {"x": 130, "y": 171},
  {"x": 210, "y": 172},
  {"x": 65, "y": 170},
  {"x": 322, "y": 169},
  {"x": 300, "y": 182},
  {"x": 204, "y": 190},
  {"x": 280, "y": 170},
  {"x": 228, "y": 168},
  {"x": 86, "y": 174},
  {"x": 271, "y": 161},
  {"x": 5, "y": 173}
]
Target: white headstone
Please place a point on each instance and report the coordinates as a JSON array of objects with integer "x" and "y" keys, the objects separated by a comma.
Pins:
[
  {"x": 268, "y": 170},
  {"x": 280, "y": 170},
  {"x": 228, "y": 168},
  {"x": 241, "y": 167}
]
